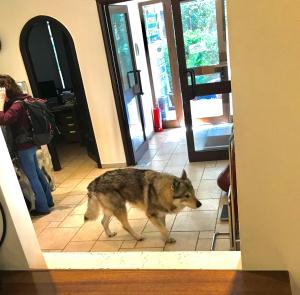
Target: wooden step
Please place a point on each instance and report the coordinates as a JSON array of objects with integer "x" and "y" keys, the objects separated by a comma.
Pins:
[{"x": 194, "y": 282}]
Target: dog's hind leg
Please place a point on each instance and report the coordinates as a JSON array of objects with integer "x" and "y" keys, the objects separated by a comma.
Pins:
[
  {"x": 105, "y": 222},
  {"x": 121, "y": 215}
]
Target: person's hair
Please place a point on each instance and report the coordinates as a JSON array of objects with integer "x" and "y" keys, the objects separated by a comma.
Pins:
[{"x": 12, "y": 88}]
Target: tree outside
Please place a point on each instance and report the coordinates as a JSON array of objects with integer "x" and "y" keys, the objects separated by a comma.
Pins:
[{"x": 200, "y": 33}]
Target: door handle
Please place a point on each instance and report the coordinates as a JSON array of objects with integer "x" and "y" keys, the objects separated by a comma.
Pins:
[
  {"x": 137, "y": 87},
  {"x": 137, "y": 75},
  {"x": 193, "y": 80}
]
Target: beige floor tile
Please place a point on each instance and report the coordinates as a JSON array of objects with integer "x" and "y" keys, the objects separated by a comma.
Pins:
[
  {"x": 194, "y": 175},
  {"x": 70, "y": 182},
  {"x": 56, "y": 238},
  {"x": 164, "y": 157},
  {"x": 185, "y": 241},
  {"x": 40, "y": 226},
  {"x": 212, "y": 172},
  {"x": 209, "y": 204},
  {"x": 222, "y": 163},
  {"x": 136, "y": 213},
  {"x": 222, "y": 245},
  {"x": 122, "y": 235},
  {"x": 177, "y": 171},
  {"x": 158, "y": 165},
  {"x": 79, "y": 246},
  {"x": 54, "y": 224},
  {"x": 72, "y": 199},
  {"x": 106, "y": 246},
  {"x": 151, "y": 228},
  {"x": 80, "y": 208},
  {"x": 96, "y": 173},
  {"x": 62, "y": 191},
  {"x": 90, "y": 231},
  {"x": 210, "y": 164},
  {"x": 208, "y": 189},
  {"x": 128, "y": 244},
  {"x": 206, "y": 234},
  {"x": 82, "y": 186},
  {"x": 57, "y": 214},
  {"x": 204, "y": 245},
  {"x": 222, "y": 227},
  {"x": 73, "y": 221},
  {"x": 177, "y": 160},
  {"x": 152, "y": 240},
  {"x": 195, "y": 221}
]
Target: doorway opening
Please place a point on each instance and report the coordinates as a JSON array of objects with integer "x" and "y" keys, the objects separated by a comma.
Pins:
[
  {"x": 51, "y": 63},
  {"x": 186, "y": 50}
]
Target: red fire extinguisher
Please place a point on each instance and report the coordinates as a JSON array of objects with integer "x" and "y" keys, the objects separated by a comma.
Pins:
[{"x": 157, "y": 119}]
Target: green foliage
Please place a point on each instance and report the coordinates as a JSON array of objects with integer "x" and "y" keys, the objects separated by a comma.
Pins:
[{"x": 199, "y": 27}]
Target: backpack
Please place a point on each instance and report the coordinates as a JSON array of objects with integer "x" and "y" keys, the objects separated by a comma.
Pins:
[{"x": 42, "y": 121}]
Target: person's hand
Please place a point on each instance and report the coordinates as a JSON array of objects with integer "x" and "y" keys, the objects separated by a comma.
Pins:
[
  {"x": 2, "y": 94},
  {"x": 2, "y": 97}
]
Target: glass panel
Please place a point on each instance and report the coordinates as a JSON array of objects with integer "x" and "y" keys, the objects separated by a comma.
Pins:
[
  {"x": 210, "y": 134},
  {"x": 134, "y": 121},
  {"x": 159, "y": 59},
  {"x": 120, "y": 33},
  {"x": 204, "y": 33},
  {"x": 125, "y": 62}
]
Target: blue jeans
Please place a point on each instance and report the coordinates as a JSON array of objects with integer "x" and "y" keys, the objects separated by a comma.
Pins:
[{"x": 39, "y": 184}]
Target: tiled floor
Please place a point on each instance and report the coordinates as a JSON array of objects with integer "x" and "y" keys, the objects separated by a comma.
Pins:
[{"x": 64, "y": 230}]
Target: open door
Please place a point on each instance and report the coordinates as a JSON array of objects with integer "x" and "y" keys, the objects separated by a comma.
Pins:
[
  {"x": 82, "y": 111},
  {"x": 201, "y": 37},
  {"x": 127, "y": 83}
]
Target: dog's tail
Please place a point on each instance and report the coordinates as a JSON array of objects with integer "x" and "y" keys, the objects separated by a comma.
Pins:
[{"x": 93, "y": 207}]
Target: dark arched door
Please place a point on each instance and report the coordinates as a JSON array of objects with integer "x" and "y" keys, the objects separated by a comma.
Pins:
[{"x": 51, "y": 63}]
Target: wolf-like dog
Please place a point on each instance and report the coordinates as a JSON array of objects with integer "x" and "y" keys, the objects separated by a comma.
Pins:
[{"x": 157, "y": 194}]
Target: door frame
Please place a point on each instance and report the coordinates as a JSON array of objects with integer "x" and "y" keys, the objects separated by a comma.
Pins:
[
  {"x": 168, "y": 19},
  {"x": 23, "y": 44},
  {"x": 188, "y": 92},
  {"x": 112, "y": 60}
]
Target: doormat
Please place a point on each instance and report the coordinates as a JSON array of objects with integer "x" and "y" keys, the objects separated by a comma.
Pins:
[
  {"x": 216, "y": 141},
  {"x": 224, "y": 213}
]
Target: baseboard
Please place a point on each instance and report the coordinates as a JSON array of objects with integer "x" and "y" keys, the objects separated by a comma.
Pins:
[{"x": 116, "y": 165}]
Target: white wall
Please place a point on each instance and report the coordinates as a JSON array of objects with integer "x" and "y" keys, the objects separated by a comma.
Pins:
[
  {"x": 80, "y": 17},
  {"x": 265, "y": 57},
  {"x": 20, "y": 249}
]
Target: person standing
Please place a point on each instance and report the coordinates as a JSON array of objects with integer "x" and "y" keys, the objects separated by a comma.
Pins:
[{"x": 13, "y": 114}]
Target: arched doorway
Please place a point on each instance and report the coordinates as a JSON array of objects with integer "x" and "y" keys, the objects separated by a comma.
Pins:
[{"x": 52, "y": 67}]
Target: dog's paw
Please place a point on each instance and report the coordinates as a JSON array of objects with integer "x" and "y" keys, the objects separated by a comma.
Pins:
[
  {"x": 170, "y": 241},
  {"x": 111, "y": 235}
]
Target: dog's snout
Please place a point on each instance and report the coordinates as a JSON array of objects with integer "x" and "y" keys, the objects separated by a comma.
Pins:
[{"x": 198, "y": 204}]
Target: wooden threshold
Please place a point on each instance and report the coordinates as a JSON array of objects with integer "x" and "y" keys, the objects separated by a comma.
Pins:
[{"x": 206, "y": 282}]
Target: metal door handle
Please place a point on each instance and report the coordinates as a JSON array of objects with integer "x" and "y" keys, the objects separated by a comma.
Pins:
[
  {"x": 137, "y": 75},
  {"x": 137, "y": 87},
  {"x": 193, "y": 79}
]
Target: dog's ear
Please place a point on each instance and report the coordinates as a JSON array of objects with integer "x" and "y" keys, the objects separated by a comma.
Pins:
[
  {"x": 183, "y": 175},
  {"x": 175, "y": 184}
]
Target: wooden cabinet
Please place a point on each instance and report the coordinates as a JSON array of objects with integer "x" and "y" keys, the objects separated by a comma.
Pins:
[{"x": 67, "y": 123}]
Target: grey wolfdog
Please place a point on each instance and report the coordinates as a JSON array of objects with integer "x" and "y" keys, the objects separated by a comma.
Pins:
[{"x": 157, "y": 194}]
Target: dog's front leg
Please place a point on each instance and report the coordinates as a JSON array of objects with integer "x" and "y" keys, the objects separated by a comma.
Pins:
[{"x": 160, "y": 223}]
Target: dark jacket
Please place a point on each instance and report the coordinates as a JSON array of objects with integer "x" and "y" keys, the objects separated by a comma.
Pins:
[{"x": 15, "y": 116}]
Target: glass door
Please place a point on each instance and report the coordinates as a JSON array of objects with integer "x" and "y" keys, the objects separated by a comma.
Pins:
[
  {"x": 129, "y": 78},
  {"x": 159, "y": 41},
  {"x": 201, "y": 36}
]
